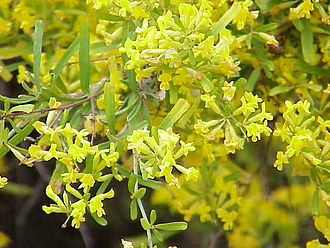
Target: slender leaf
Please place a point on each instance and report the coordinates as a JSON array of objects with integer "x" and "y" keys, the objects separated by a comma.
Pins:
[
  {"x": 251, "y": 82},
  {"x": 280, "y": 90},
  {"x": 173, "y": 226},
  {"x": 315, "y": 202},
  {"x": 84, "y": 64},
  {"x": 226, "y": 18},
  {"x": 133, "y": 209},
  {"x": 175, "y": 114},
  {"x": 64, "y": 60},
  {"x": 110, "y": 106},
  {"x": 37, "y": 49}
]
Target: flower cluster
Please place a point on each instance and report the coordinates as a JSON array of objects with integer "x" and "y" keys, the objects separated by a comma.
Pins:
[
  {"x": 71, "y": 149},
  {"x": 248, "y": 118},
  {"x": 300, "y": 133},
  {"x": 157, "y": 154}
]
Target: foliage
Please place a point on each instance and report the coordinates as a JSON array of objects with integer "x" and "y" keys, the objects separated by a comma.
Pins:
[{"x": 205, "y": 96}]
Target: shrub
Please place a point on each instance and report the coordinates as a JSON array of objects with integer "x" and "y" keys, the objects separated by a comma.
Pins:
[{"x": 196, "y": 101}]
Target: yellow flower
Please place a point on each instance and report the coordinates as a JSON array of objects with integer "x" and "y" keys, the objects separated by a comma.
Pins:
[
  {"x": 87, "y": 181},
  {"x": 280, "y": 160},
  {"x": 96, "y": 204},
  {"x": 228, "y": 91},
  {"x": 303, "y": 10},
  {"x": 3, "y": 181},
  {"x": 78, "y": 212}
]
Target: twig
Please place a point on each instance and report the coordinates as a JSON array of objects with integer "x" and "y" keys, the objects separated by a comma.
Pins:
[
  {"x": 215, "y": 237},
  {"x": 45, "y": 110},
  {"x": 86, "y": 235},
  {"x": 93, "y": 120},
  {"x": 139, "y": 202}
]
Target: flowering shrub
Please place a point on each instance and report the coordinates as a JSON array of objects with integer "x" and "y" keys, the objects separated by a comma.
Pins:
[{"x": 220, "y": 108}]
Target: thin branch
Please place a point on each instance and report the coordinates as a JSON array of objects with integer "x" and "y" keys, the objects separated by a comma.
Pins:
[
  {"x": 45, "y": 110},
  {"x": 139, "y": 202}
]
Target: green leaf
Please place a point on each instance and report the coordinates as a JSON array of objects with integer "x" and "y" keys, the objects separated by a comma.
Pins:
[
  {"x": 104, "y": 186},
  {"x": 19, "y": 137},
  {"x": 153, "y": 216},
  {"x": 131, "y": 183},
  {"x": 110, "y": 106},
  {"x": 175, "y": 114},
  {"x": 64, "y": 60},
  {"x": 206, "y": 83},
  {"x": 107, "y": 17},
  {"x": 158, "y": 235},
  {"x": 226, "y": 18},
  {"x": 19, "y": 100},
  {"x": 139, "y": 193},
  {"x": 315, "y": 202},
  {"x": 84, "y": 64},
  {"x": 56, "y": 178},
  {"x": 182, "y": 122},
  {"x": 280, "y": 90},
  {"x": 326, "y": 187},
  {"x": 100, "y": 220},
  {"x": 27, "y": 108},
  {"x": 132, "y": 127},
  {"x": 314, "y": 70},
  {"x": 251, "y": 82},
  {"x": 267, "y": 27},
  {"x": 173, "y": 226},
  {"x": 133, "y": 209},
  {"x": 314, "y": 87},
  {"x": 17, "y": 189},
  {"x": 145, "y": 224},
  {"x": 307, "y": 40},
  {"x": 37, "y": 49}
]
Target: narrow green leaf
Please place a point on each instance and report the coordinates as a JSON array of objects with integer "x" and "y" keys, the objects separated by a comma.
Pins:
[
  {"x": 206, "y": 83},
  {"x": 27, "y": 108},
  {"x": 134, "y": 112},
  {"x": 158, "y": 235},
  {"x": 226, "y": 18},
  {"x": 104, "y": 186},
  {"x": 37, "y": 49},
  {"x": 110, "y": 106},
  {"x": 280, "y": 90},
  {"x": 19, "y": 137},
  {"x": 173, "y": 226},
  {"x": 267, "y": 27},
  {"x": 185, "y": 118},
  {"x": 84, "y": 64},
  {"x": 131, "y": 183},
  {"x": 251, "y": 82},
  {"x": 56, "y": 178},
  {"x": 314, "y": 70},
  {"x": 315, "y": 202},
  {"x": 314, "y": 87},
  {"x": 17, "y": 189},
  {"x": 307, "y": 41},
  {"x": 326, "y": 187},
  {"x": 107, "y": 17},
  {"x": 19, "y": 100},
  {"x": 139, "y": 193},
  {"x": 64, "y": 60},
  {"x": 145, "y": 224},
  {"x": 100, "y": 220},
  {"x": 173, "y": 93},
  {"x": 153, "y": 216},
  {"x": 175, "y": 114},
  {"x": 133, "y": 209}
]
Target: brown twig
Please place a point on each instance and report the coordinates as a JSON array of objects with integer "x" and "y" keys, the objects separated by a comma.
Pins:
[{"x": 45, "y": 110}]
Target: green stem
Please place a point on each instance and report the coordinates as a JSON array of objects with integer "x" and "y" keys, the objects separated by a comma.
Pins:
[{"x": 139, "y": 202}]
